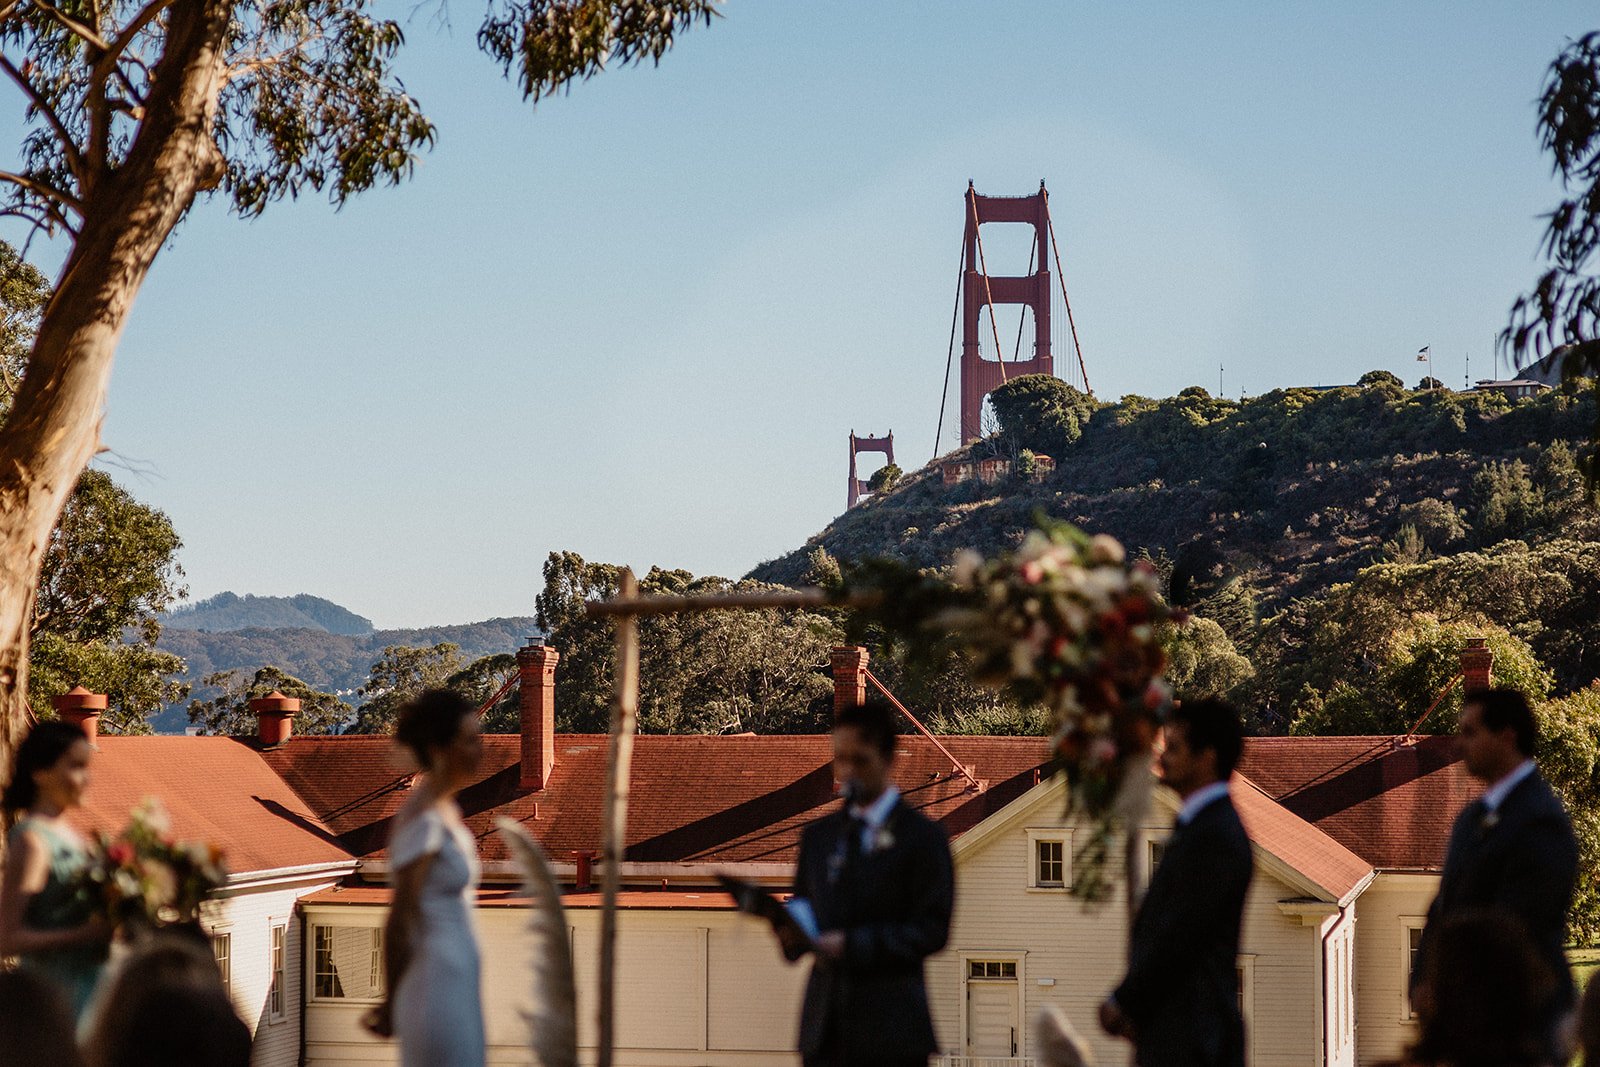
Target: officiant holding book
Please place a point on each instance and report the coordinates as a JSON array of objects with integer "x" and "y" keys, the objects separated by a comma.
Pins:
[{"x": 873, "y": 892}]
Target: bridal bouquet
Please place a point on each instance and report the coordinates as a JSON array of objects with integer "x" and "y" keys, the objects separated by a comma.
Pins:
[
  {"x": 147, "y": 877},
  {"x": 1066, "y": 623}
]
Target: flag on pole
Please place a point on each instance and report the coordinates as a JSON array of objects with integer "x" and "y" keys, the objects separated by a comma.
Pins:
[{"x": 1422, "y": 354}]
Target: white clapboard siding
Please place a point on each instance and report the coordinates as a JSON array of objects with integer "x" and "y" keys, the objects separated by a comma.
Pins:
[
  {"x": 247, "y": 916},
  {"x": 1388, "y": 905}
]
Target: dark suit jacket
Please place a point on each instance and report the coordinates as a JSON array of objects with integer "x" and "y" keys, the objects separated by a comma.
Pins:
[
  {"x": 894, "y": 907},
  {"x": 1181, "y": 990},
  {"x": 1523, "y": 863}
]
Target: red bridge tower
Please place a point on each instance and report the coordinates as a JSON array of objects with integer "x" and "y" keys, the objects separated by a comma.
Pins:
[
  {"x": 979, "y": 289},
  {"x": 858, "y": 487}
]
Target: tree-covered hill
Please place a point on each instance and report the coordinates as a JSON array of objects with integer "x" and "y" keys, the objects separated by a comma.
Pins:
[
  {"x": 334, "y": 662},
  {"x": 1291, "y": 491},
  {"x": 230, "y": 611}
]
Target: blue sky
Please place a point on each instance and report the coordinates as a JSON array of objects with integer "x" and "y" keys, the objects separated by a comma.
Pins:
[{"x": 639, "y": 320}]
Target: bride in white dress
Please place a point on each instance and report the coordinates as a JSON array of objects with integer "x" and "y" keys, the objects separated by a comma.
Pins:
[{"x": 434, "y": 1005}]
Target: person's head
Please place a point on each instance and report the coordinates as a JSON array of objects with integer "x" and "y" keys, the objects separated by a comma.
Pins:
[
  {"x": 1203, "y": 740},
  {"x": 167, "y": 1005},
  {"x": 35, "y": 1021},
  {"x": 863, "y": 749},
  {"x": 1496, "y": 732},
  {"x": 1484, "y": 994},
  {"x": 51, "y": 766},
  {"x": 440, "y": 730}
]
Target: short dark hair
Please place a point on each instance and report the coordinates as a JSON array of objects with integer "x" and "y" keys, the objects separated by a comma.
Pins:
[
  {"x": 874, "y": 720},
  {"x": 1212, "y": 724},
  {"x": 44, "y": 746},
  {"x": 1507, "y": 709},
  {"x": 431, "y": 720}
]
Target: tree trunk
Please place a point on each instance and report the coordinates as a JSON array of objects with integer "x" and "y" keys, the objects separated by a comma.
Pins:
[{"x": 54, "y": 426}]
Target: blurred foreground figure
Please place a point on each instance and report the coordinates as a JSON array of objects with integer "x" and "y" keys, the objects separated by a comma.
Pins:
[
  {"x": 1488, "y": 994},
  {"x": 1511, "y": 851},
  {"x": 165, "y": 1005},
  {"x": 1179, "y": 1003},
  {"x": 35, "y": 1022}
]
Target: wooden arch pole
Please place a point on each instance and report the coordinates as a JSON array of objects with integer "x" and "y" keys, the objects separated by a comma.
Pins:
[
  {"x": 619, "y": 764},
  {"x": 626, "y": 608}
]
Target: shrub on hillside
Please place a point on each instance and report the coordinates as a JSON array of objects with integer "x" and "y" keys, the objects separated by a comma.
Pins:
[{"x": 1041, "y": 412}]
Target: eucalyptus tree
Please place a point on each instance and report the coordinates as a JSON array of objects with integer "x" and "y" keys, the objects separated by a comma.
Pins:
[{"x": 137, "y": 107}]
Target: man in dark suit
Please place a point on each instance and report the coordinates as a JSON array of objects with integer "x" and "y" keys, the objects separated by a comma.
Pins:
[
  {"x": 1512, "y": 850},
  {"x": 877, "y": 878},
  {"x": 1179, "y": 1000}
]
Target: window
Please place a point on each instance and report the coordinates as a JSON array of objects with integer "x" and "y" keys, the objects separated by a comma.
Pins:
[
  {"x": 1158, "y": 850},
  {"x": 277, "y": 948},
  {"x": 347, "y": 963},
  {"x": 1001, "y": 969},
  {"x": 1245, "y": 971},
  {"x": 1051, "y": 864},
  {"x": 222, "y": 951},
  {"x": 1049, "y": 859},
  {"x": 1410, "y": 944}
]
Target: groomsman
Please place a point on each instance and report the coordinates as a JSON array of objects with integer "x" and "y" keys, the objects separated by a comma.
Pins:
[
  {"x": 876, "y": 879},
  {"x": 1178, "y": 1003},
  {"x": 1512, "y": 850}
]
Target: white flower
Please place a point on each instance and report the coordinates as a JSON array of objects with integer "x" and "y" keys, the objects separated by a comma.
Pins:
[{"x": 1103, "y": 548}]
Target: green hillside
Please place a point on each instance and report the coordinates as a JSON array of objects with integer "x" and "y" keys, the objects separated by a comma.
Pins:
[{"x": 1422, "y": 516}]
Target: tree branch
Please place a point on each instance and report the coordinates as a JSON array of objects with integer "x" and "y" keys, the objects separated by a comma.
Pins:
[
  {"x": 132, "y": 30},
  {"x": 72, "y": 25},
  {"x": 69, "y": 147},
  {"x": 43, "y": 189}
]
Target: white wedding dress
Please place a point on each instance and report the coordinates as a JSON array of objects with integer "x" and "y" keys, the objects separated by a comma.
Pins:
[{"x": 438, "y": 1009}]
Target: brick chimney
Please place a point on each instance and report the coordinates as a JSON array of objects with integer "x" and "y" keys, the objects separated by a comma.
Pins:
[
  {"x": 849, "y": 677},
  {"x": 274, "y": 717},
  {"x": 82, "y": 709},
  {"x": 1477, "y": 663},
  {"x": 537, "y": 664}
]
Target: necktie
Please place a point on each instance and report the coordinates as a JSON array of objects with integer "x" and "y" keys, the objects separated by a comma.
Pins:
[{"x": 854, "y": 828}]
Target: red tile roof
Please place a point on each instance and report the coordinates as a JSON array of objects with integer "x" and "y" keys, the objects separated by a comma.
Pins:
[
  {"x": 216, "y": 789},
  {"x": 1389, "y": 803},
  {"x": 694, "y": 798},
  {"x": 1321, "y": 859}
]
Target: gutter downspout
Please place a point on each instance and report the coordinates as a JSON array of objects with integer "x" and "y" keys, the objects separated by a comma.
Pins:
[
  {"x": 1327, "y": 1041},
  {"x": 301, "y": 1021}
]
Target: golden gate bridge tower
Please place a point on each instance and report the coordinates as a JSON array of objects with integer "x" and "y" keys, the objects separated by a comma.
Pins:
[{"x": 984, "y": 366}]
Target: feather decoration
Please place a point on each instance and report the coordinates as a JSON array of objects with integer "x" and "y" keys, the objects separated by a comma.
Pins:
[
  {"x": 1059, "y": 1043},
  {"x": 553, "y": 1022}
]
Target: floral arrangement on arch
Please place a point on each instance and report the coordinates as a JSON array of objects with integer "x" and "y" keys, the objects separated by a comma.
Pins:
[
  {"x": 1064, "y": 622},
  {"x": 144, "y": 876}
]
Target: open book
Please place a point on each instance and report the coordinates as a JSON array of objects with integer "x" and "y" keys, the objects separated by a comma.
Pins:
[{"x": 793, "y": 923}]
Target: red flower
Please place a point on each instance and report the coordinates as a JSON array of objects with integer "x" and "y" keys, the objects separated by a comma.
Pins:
[{"x": 120, "y": 853}]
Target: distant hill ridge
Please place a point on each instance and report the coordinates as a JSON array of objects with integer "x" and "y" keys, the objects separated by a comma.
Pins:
[{"x": 229, "y": 611}]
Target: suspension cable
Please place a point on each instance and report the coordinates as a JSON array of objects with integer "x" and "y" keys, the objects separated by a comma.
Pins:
[
  {"x": 949, "y": 356},
  {"x": 1022, "y": 315},
  {"x": 1061, "y": 276},
  {"x": 988, "y": 294}
]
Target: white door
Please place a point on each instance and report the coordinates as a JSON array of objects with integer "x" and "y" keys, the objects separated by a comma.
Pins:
[{"x": 992, "y": 1017}]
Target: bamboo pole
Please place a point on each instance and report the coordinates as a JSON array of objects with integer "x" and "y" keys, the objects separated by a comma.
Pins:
[
  {"x": 619, "y": 763},
  {"x": 629, "y": 604}
]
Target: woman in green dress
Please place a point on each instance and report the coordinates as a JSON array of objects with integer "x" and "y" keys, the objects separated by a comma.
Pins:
[{"x": 45, "y": 921}]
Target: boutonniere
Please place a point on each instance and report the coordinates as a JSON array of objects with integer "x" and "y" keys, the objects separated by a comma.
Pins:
[
  {"x": 882, "y": 839},
  {"x": 1490, "y": 820}
]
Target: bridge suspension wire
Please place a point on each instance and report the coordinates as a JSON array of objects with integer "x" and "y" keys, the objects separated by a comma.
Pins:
[
  {"x": 1062, "y": 278},
  {"x": 1022, "y": 313},
  {"x": 988, "y": 294},
  {"x": 955, "y": 312}
]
